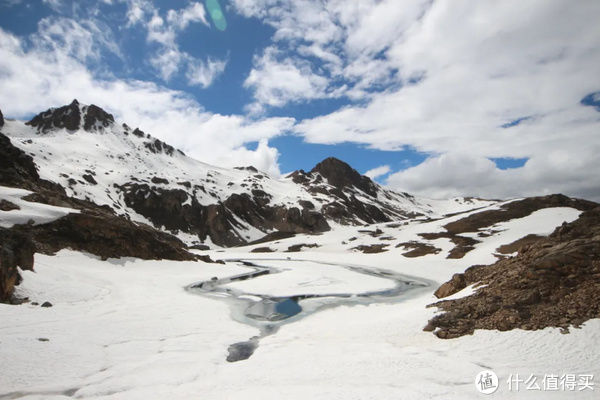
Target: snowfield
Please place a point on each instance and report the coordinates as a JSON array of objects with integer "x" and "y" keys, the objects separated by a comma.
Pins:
[
  {"x": 128, "y": 329},
  {"x": 28, "y": 212}
]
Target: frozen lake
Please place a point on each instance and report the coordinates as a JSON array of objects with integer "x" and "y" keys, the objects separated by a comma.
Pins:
[{"x": 279, "y": 291}]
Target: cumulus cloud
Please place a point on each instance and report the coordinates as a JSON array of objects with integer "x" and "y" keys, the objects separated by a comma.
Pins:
[
  {"x": 448, "y": 79},
  {"x": 378, "y": 171},
  {"x": 455, "y": 174},
  {"x": 36, "y": 78},
  {"x": 331, "y": 48},
  {"x": 279, "y": 81}
]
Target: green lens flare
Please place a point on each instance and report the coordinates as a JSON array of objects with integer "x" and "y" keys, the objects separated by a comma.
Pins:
[{"x": 216, "y": 13}]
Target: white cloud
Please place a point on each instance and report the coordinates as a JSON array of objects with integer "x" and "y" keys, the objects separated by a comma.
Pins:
[
  {"x": 342, "y": 45},
  {"x": 54, "y": 4},
  {"x": 456, "y": 174},
  {"x": 137, "y": 11},
  {"x": 84, "y": 40},
  {"x": 34, "y": 79},
  {"x": 484, "y": 65},
  {"x": 278, "y": 81},
  {"x": 378, "y": 171},
  {"x": 169, "y": 59},
  {"x": 204, "y": 73},
  {"x": 194, "y": 12}
]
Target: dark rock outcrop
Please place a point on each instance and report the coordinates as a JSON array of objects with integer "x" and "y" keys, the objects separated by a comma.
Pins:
[
  {"x": 485, "y": 219},
  {"x": 16, "y": 251},
  {"x": 69, "y": 117},
  {"x": 513, "y": 210},
  {"x": 298, "y": 247},
  {"x": 1, "y": 119},
  {"x": 341, "y": 175},
  {"x": 553, "y": 282},
  {"x": 355, "y": 199},
  {"x": 96, "y": 117},
  {"x": 418, "y": 249},
  {"x": 107, "y": 236},
  {"x": 454, "y": 285},
  {"x": 462, "y": 244},
  {"x": 372, "y": 248},
  {"x": 262, "y": 250},
  {"x": 16, "y": 167},
  {"x": 178, "y": 210},
  {"x": 518, "y": 244},
  {"x": 158, "y": 146},
  {"x": 96, "y": 230}
]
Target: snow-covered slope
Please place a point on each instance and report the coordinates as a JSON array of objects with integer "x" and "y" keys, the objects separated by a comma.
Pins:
[{"x": 95, "y": 158}]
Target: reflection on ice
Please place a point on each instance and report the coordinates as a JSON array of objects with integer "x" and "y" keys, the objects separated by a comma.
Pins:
[{"x": 273, "y": 310}]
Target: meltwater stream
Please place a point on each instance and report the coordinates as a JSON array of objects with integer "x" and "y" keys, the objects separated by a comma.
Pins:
[{"x": 268, "y": 313}]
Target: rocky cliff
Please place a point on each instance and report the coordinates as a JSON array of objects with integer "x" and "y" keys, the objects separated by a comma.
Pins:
[{"x": 552, "y": 282}]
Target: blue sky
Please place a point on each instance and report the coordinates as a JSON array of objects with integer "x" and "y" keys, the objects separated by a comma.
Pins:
[{"x": 475, "y": 98}]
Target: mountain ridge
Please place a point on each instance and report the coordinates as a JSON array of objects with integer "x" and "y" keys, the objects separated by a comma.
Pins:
[{"x": 150, "y": 181}]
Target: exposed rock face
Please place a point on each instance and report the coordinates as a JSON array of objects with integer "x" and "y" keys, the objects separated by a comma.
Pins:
[
  {"x": 16, "y": 250},
  {"x": 454, "y": 285},
  {"x": 339, "y": 181},
  {"x": 16, "y": 167},
  {"x": 341, "y": 175},
  {"x": 553, "y": 282},
  {"x": 96, "y": 117},
  {"x": 69, "y": 117},
  {"x": 518, "y": 244},
  {"x": 418, "y": 249},
  {"x": 485, "y": 219},
  {"x": 176, "y": 210},
  {"x": 515, "y": 209},
  {"x": 157, "y": 146},
  {"x": 96, "y": 230},
  {"x": 371, "y": 249},
  {"x": 1, "y": 119},
  {"x": 107, "y": 236}
]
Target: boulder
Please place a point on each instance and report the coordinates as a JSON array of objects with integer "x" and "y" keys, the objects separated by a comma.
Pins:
[{"x": 16, "y": 251}]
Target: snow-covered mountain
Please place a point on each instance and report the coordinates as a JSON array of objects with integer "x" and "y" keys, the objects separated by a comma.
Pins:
[
  {"x": 82, "y": 148},
  {"x": 117, "y": 249}
]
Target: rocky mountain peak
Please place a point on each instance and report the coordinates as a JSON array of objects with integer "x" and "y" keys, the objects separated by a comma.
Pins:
[
  {"x": 71, "y": 117},
  {"x": 1, "y": 119},
  {"x": 341, "y": 175}
]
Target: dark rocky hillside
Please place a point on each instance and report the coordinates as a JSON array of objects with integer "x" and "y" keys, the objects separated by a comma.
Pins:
[
  {"x": 553, "y": 282},
  {"x": 96, "y": 230},
  {"x": 166, "y": 208}
]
